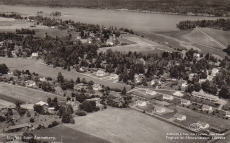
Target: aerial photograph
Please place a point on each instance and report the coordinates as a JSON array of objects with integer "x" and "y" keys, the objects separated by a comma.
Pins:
[{"x": 114, "y": 71}]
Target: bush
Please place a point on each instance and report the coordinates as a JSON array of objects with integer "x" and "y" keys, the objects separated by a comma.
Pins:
[
  {"x": 72, "y": 121},
  {"x": 80, "y": 113},
  {"x": 31, "y": 120}
]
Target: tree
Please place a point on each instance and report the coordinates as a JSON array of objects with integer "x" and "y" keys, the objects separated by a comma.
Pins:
[
  {"x": 3, "y": 69},
  {"x": 60, "y": 78},
  {"x": 197, "y": 87},
  {"x": 78, "y": 80},
  {"x": 39, "y": 109},
  {"x": 224, "y": 92},
  {"x": 124, "y": 91},
  {"x": 88, "y": 106}
]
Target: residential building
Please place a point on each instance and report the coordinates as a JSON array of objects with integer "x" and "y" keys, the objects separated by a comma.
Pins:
[
  {"x": 184, "y": 86},
  {"x": 185, "y": 102},
  {"x": 160, "y": 110},
  {"x": 150, "y": 92},
  {"x": 203, "y": 125},
  {"x": 141, "y": 103},
  {"x": 34, "y": 55},
  {"x": 207, "y": 108},
  {"x": 30, "y": 83},
  {"x": 100, "y": 73},
  {"x": 41, "y": 103},
  {"x": 97, "y": 87},
  {"x": 178, "y": 94},
  {"x": 114, "y": 76},
  {"x": 179, "y": 117},
  {"x": 167, "y": 97}
]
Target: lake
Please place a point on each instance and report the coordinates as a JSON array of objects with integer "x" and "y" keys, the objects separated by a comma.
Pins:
[{"x": 145, "y": 22}]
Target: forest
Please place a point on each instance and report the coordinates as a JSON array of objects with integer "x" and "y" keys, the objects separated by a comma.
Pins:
[
  {"x": 211, "y": 7},
  {"x": 223, "y": 24}
]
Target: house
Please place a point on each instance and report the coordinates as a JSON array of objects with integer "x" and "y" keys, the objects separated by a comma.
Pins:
[
  {"x": 82, "y": 69},
  {"x": 34, "y": 55},
  {"x": 167, "y": 97},
  {"x": 196, "y": 55},
  {"x": 178, "y": 94},
  {"x": 137, "y": 78},
  {"x": 185, "y": 102},
  {"x": 74, "y": 104},
  {"x": 152, "y": 82},
  {"x": 203, "y": 125},
  {"x": 227, "y": 114},
  {"x": 100, "y": 73},
  {"x": 30, "y": 83},
  {"x": 160, "y": 110},
  {"x": 179, "y": 117},
  {"x": 51, "y": 110},
  {"x": 141, "y": 103},
  {"x": 41, "y": 103},
  {"x": 97, "y": 87},
  {"x": 42, "y": 79},
  {"x": 150, "y": 92},
  {"x": 207, "y": 108},
  {"x": 114, "y": 76},
  {"x": 214, "y": 71},
  {"x": 184, "y": 86}
]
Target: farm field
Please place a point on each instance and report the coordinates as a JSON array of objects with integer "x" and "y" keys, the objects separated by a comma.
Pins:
[
  {"x": 67, "y": 135},
  {"x": 48, "y": 71},
  {"x": 25, "y": 94},
  {"x": 127, "y": 126}
]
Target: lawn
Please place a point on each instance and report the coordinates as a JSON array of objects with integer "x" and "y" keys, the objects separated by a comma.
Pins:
[
  {"x": 67, "y": 135},
  {"x": 194, "y": 117},
  {"x": 15, "y": 92},
  {"x": 127, "y": 126}
]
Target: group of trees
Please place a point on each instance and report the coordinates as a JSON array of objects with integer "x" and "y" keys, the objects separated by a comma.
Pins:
[
  {"x": 3, "y": 69},
  {"x": 25, "y": 31},
  {"x": 11, "y": 15},
  {"x": 219, "y": 23},
  {"x": 214, "y": 7}
]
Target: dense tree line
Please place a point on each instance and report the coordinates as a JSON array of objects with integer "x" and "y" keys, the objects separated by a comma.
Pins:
[
  {"x": 11, "y": 15},
  {"x": 213, "y": 7},
  {"x": 223, "y": 24},
  {"x": 25, "y": 31}
]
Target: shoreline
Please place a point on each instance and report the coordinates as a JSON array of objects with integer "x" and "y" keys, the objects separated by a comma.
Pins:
[{"x": 122, "y": 9}]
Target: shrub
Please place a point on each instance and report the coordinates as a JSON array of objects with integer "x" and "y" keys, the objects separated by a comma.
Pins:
[{"x": 80, "y": 113}]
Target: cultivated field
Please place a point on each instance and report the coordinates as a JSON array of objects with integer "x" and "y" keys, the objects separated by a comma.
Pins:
[
  {"x": 127, "y": 126},
  {"x": 67, "y": 135},
  {"x": 15, "y": 92}
]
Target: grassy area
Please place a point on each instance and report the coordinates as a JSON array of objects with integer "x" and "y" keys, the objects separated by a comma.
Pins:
[
  {"x": 194, "y": 117},
  {"x": 127, "y": 126},
  {"x": 67, "y": 135},
  {"x": 14, "y": 92}
]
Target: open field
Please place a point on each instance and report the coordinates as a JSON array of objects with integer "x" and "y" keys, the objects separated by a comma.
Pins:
[
  {"x": 194, "y": 117},
  {"x": 127, "y": 126},
  {"x": 4, "y": 103},
  {"x": 25, "y": 94},
  {"x": 67, "y": 135},
  {"x": 48, "y": 71}
]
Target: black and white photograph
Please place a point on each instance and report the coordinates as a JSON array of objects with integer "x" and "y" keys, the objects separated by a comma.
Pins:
[{"x": 114, "y": 71}]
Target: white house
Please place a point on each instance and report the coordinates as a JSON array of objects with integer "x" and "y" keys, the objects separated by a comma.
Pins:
[
  {"x": 97, "y": 87},
  {"x": 34, "y": 55},
  {"x": 152, "y": 82},
  {"x": 167, "y": 97},
  {"x": 179, "y": 117},
  {"x": 51, "y": 110},
  {"x": 207, "y": 108},
  {"x": 82, "y": 69},
  {"x": 30, "y": 83},
  {"x": 41, "y": 103},
  {"x": 184, "y": 86},
  {"x": 214, "y": 71},
  {"x": 42, "y": 79},
  {"x": 114, "y": 76},
  {"x": 227, "y": 114},
  {"x": 196, "y": 55},
  {"x": 150, "y": 92},
  {"x": 141, "y": 103},
  {"x": 203, "y": 125},
  {"x": 160, "y": 110},
  {"x": 185, "y": 102},
  {"x": 137, "y": 78},
  {"x": 178, "y": 94},
  {"x": 100, "y": 73}
]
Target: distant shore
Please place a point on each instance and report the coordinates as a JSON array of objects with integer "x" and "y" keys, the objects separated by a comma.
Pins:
[{"x": 122, "y": 9}]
